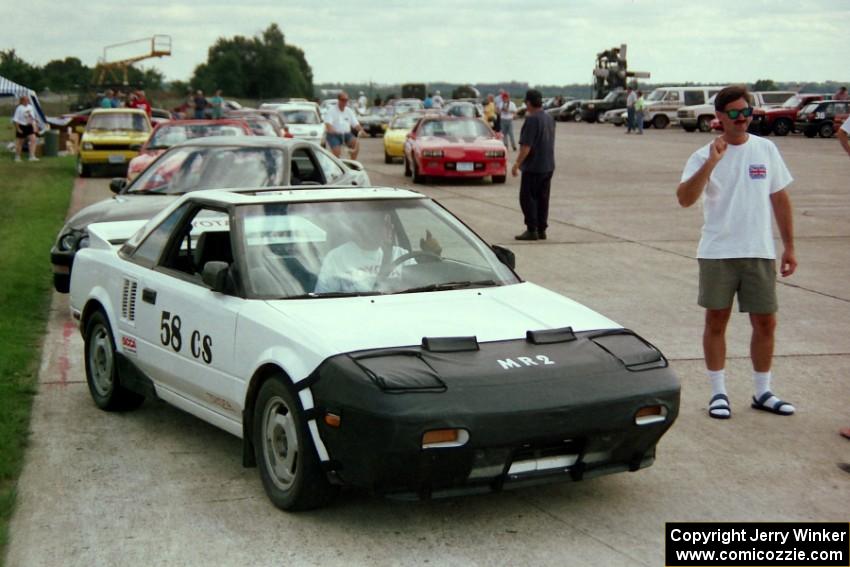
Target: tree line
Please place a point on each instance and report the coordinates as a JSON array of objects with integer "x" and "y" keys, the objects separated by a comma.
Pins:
[{"x": 264, "y": 66}]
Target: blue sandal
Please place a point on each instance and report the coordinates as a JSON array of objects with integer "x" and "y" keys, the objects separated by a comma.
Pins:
[
  {"x": 725, "y": 407},
  {"x": 775, "y": 407}
]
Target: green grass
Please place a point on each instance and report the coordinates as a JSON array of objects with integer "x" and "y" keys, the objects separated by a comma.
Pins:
[{"x": 35, "y": 200}]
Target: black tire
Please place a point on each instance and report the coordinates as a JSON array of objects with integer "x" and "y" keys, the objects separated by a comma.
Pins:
[
  {"x": 599, "y": 116},
  {"x": 576, "y": 116},
  {"x": 810, "y": 132},
  {"x": 826, "y": 130},
  {"x": 704, "y": 123},
  {"x": 415, "y": 176},
  {"x": 286, "y": 457},
  {"x": 387, "y": 158},
  {"x": 783, "y": 127},
  {"x": 500, "y": 178},
  {"x": 660, "y": 121},
  {"x": 407, "y": 172},
  {"x": 102, "y": 368},
  {"x": 83, "y": 170}
]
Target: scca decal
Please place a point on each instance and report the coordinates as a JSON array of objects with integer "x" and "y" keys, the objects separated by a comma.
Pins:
[
  {"x": 128, "y": 344},
  {"x": 522, "y": 361}
]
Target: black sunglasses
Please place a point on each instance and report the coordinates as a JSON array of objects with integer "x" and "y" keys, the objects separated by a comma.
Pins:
[{"x": 733, "y": 114}]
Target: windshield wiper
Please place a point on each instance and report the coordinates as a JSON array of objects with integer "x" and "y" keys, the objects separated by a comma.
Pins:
[
  {"x": 446, "y": 286},
  {"x": 314, "y": 295}
]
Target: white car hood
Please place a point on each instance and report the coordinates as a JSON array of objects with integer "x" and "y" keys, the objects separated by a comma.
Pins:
[{"x": 491, "y": 314}]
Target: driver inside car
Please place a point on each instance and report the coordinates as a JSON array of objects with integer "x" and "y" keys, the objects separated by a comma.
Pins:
[{"x": 362, "y": 263}]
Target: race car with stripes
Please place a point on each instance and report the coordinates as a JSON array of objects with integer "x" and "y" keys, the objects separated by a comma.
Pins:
[{"x": 364, "y": 337}]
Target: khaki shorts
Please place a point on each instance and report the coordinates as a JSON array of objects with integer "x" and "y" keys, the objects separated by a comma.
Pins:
[{"x": 752, "y": 279}]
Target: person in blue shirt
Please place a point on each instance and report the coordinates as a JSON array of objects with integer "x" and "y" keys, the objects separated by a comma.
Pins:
[{"x": 429, "y": 102}]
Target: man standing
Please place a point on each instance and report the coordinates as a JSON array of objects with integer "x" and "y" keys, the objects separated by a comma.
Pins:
[
  {"x": 843, "y": 133},
  {"x": 438, "y": 100},
  {"x": 26, "y": 128},
  {"x": 507, "y": 111},
  {"x": 640, "y": 104},
  {"x": 339, "y": 123},
  {"x": 841, "y": 94},
  {"x": 742, "y": 178},
  {"x": 362, "y": 102},
  {"x": 631, "y": 99},
  {"x": 536, "y": 159},
  {"x": 200, "y": 103}
]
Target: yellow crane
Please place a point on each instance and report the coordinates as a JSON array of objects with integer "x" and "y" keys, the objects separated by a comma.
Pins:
[{"x": 146, "y": 48}]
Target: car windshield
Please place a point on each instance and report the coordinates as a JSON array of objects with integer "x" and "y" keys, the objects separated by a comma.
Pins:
[
  {"x": 118, "y": 121},
  {"x": 191, "y": 168},
  {"x": 461, "y": 109},
  {"x": 792, "y": 102},
  {"x": 169, "y": 135},
  {"x": 657, "y": 94},
  {"x": 261, "y": 127},
  {"x": 405, "y": 122},
  {"x": 463, "y": 128},
  {"x": 811, "y": 107},
  {"x": 300, "y": 117},
  {"x": 334, "y": 248},
  {"x": 408, "y": 105},
  {"x": 611, "y": 97}
]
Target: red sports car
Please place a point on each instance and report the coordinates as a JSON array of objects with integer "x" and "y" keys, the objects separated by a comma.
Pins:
[
  {"x": 447, "y": 146},
  {"x": 173, "y": 132}
]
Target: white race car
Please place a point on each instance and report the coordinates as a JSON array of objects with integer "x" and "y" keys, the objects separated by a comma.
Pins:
[{"x": 366, "y": 337}]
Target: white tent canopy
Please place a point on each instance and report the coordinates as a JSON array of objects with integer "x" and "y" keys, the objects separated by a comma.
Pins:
[{"x": 10, "y": 88}]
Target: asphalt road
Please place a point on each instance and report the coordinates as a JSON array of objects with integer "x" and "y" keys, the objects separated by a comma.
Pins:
[{"x": 159, "y": 487}]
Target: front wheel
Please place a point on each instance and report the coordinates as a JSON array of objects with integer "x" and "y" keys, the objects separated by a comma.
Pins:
[
  {"x": 83, "y": 170},
  {"x": 704, "y": 123},
  {"x": 407, "y": 172},
  {"x": 660, "y": 121},
  {"x": 825, "y": 130},
  {"x": 286, "y": 457},
  {"x": 416, "y": 177},
  {"x": 782, "y": 127},
  {"x": 102, "y": 368}
]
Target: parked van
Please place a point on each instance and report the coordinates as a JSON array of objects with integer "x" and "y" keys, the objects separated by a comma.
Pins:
[
  {"x": 700, "y": 116},
  {"x": 663, "y": 103}
]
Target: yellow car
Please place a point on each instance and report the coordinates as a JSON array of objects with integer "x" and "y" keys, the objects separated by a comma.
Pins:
[
  {"x": 113, "y": 136},
  {"x": 396, "y": 134}
]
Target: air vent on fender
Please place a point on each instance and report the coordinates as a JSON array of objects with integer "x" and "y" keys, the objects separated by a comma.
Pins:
[{"x": 128, "y": 300}]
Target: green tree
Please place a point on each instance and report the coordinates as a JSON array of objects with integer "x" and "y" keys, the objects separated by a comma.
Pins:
[
  {"x": 16, "y": 69},
  {"x": 67, "y": 74},
  {"x": 765, "y": 85},
  {"x": 258, "y": 67}
]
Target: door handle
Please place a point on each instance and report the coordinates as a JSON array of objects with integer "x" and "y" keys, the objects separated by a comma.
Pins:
[{"x": 149, "y": 296}]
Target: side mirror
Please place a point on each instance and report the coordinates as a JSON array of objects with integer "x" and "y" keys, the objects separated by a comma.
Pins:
[
  {"x": 135, "y": 147},
  {"x": 505, "y": 256},
  {"x": 117, "y": 184},
  {"x": 215, "y": 276}
]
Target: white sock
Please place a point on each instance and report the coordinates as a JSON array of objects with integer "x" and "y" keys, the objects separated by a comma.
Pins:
[
  {"x": 761, "y": 381},
  {"x": 718, "y": 386}
]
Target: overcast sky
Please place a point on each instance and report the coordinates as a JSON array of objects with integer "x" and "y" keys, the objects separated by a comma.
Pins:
[{"x": 393, "y": 41}]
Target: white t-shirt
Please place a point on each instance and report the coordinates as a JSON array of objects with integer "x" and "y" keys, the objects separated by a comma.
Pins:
[
  {"x": 736, "y": 202},
  {"x": 24, "y": 114},
  {"x": 437, "y": 100},
  {"x": 362, "y": 102},
  {"x": 507, "y": 110},
  {"x": 631, "y": 99},
  {"x": 342, "y": 121},
  {"x": 349, "y": 268},
  {"x": 846, "y": 126}
]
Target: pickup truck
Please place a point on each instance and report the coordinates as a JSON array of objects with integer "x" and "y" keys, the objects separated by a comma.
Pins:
[
  {"x": 699, "y": 116},
  {"x": 592, "y": 110}
]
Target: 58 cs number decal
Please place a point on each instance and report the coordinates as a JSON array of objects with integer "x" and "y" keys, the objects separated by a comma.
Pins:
[{"x": 200, "y": 346}]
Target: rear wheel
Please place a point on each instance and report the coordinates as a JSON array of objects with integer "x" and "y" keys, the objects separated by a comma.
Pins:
[
  {"x": 660, "y": 121},
  {"x": 782, "y": 127},
  {"x": 825, "y": 130},
  {"x": 704, "y": 123},
  {"x": 576, "y": 116},
  {"x": 102, "y": 368},
  {"x": 286, "y": 457}
]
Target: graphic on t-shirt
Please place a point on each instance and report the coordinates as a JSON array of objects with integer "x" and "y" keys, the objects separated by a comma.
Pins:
[{"x": 758, "y": 171}]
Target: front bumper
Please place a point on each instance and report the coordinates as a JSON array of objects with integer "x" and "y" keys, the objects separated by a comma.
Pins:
[
  {"x": 537, "y": 425},
  {"x": 111, "y": 157},
  {"x": 441, "y": 167}
]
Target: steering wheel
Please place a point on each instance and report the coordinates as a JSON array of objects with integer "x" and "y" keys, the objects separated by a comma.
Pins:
[{"x": 394, "y": 265}]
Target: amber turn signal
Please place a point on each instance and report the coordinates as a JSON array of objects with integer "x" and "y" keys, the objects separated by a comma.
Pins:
[
  {"x": 332, "y": 420},
  {"x": 444, "y": 438},
  {"x": 650, "y": 414}
]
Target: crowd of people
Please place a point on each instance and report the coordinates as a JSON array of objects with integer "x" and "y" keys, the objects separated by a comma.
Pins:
[{"x": 132, "y": 99}]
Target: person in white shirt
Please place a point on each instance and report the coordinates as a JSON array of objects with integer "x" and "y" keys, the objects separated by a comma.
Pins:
[
  {"x": 843, "y": 134},
  {"x": 741, "y": 179},
  {"x": 340, "y": 121},
  {"x": 631, "y": 99},
  {"x": 26, "y": 127},
  {"x": 437, "y": 100},
  {"x": 507, "y": 111},
  {"x": 362, "y": 102}
]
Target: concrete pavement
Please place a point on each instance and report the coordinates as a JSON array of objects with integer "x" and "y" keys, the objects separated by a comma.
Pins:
[{"x": 159, "y": 487}]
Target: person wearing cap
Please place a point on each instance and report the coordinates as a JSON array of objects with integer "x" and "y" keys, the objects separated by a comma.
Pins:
[
  {"x": 507, "y": 111},
  {"x": 536, "y": 160}
]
